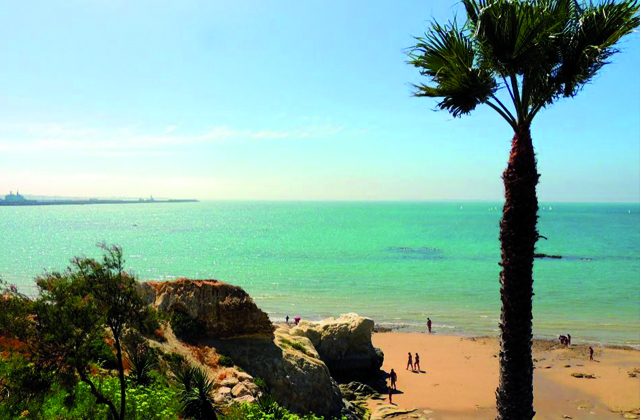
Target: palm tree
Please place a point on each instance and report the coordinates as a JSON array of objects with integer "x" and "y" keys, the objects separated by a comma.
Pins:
[{"x": 538, "y": 51}]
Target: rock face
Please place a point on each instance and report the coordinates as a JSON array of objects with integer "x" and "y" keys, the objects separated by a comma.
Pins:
[
  {"x": 226, "y": 310},
  {"x": 291, "y": 368},
  {"x": 344, "y": 344}
]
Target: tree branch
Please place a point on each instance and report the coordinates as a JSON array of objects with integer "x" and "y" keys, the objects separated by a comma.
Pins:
[
  {"x": 100, "y": 399},
  {"x": 534, "y": 111},
  {"x": 504, "y": 108},
  {"x": 516, "y": 100},
  {"x": 509, "y": 89},
  {"x": 508, "y": 118}
]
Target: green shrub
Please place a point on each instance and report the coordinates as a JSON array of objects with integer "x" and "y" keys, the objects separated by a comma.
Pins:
[
  {"x": 196, "y": 396},
  {"x": 294, "y": 345},
  {"x": 174, "y": 360},
  {"x": 264, "y": 412},
  {"x": 149, "y": 324},
  {"x": 260, "y": 383},
  {"x": 225, "y": 361},
  {"x": 185, "y": 327},
  {"x": 102, "y": 354}
]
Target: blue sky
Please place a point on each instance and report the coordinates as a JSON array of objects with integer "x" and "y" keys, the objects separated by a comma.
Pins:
[{"x": 277, "y": 100}]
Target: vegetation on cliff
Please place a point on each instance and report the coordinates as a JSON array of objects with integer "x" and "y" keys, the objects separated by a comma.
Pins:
[{"x": 88, "y": 346}]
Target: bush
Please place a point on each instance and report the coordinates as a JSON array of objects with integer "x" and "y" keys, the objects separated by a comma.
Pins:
[
  {"x": 174, "y": 360},
  {"x": 260, "y": 383},
  {"x": 263, "y": 412},
  {"x": 149, "y": 324},
  {"x": 196, "y": 396},
  {"x": 295, "y": 345},
  {"x": 185, "y": 327},
  {"x": 225, "y": 361},
  {"x": 102, "y": 354}
]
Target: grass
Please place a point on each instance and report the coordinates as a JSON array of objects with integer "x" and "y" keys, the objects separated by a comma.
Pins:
[{"x": 295, "y": 345}]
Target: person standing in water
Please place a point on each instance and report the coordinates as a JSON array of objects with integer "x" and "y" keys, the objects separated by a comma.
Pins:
[
  {"x": 429, "y": 325},
  {"x": 410, "y": 361}
]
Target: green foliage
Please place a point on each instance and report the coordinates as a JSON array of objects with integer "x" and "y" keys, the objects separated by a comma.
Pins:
[
  {"x": 102, "y": 354},
  {"x": 158, "y": 402},
  {"x": 268, "y": 405},
  {"x": 225, "y": 361},
  {"x": 539, "y": 50},
  {"x": 22, "y": 386},
  {"x": 196, "y": 395},
  {"x": 64, "y": 326},
  {"x": 149, "y": 323},
  {"x": 260, "y": 383},
  {"x": 174, "y": 360},
  {"x": 185, "y": 327},
  {"x": 265, "y": 411},
  {"x": 295, "y": 345}
]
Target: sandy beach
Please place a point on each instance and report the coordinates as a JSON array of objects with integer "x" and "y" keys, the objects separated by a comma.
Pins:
[{"x": 459, "y": 377}]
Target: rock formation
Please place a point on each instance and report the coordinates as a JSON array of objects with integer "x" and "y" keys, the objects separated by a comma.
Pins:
[
  {"x": 290, "y": 367},
  {"x": 226, "y": 310},
  {"x": 344, "y": 344}
]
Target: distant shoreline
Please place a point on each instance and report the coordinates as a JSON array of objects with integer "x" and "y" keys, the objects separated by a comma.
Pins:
[{"x": 88, "y": 202}]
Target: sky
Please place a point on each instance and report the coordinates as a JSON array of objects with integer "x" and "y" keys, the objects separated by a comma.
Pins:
[{"x": 277, "y": 100}]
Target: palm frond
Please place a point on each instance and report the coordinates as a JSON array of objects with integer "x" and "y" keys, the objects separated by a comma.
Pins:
[
  {"x": 591, "y": 41},
  {"x": 446, "y": 55}
]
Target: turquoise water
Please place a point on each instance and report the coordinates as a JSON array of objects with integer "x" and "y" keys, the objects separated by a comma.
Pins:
[{"x": 395, "y": 262}]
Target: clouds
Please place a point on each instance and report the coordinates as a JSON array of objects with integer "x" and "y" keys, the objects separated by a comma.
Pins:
[{"x": 66, "y": 138}]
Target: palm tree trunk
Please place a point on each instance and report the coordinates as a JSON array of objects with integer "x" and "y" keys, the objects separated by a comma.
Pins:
[{"x": 518, "y": 236}]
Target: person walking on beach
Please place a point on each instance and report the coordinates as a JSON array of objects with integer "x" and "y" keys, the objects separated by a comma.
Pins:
[
  {"x": 287, "y": 318},
  {"x": 417, "y": 363},
  {"x": 590, "y": 353},
  {"x": 410, "y": 361},
  {"x": 392, "y": 379},
  {"x": 429, "y": 325},
  {"x": 568, "y": 339}
]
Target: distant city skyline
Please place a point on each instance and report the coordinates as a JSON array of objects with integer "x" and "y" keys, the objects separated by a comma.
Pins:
[{"x": 249, "y": 100}]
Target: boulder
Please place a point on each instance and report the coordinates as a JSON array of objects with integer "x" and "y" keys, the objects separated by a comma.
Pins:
[
  {"x": 240, "y": 390},
  {"x": 225, "y": 310},
  {"x": 356, "y": 391},
  {"x": 229, "y": 382},
  {"x": 294, "y": 373},
  {"x": 344, "y": 344}
]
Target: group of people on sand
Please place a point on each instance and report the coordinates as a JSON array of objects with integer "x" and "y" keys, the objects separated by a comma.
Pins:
[
  {"x": 412, "y": 363},
  {"x": 565, "y": 339}
]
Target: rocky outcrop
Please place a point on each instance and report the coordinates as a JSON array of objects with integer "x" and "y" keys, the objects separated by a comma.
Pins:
[
  {"x": 291, "y": 368},
  {"x": 344, "y": 344},
  {"x": 236, "y": 389},
  {"x": 225, "y": 310}
]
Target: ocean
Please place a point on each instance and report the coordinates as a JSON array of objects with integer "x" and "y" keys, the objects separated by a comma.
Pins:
[{"x": 396, "y": 262}]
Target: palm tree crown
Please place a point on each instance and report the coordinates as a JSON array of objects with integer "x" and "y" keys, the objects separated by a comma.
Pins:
[{"x": 539, "y": 50}]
